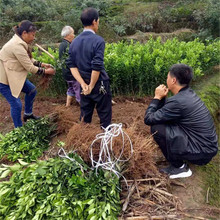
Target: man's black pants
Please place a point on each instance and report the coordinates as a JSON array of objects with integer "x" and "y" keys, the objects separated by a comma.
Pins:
[
  {"x": 159, "y": 132},
  {"x": 102, "y": 102}
]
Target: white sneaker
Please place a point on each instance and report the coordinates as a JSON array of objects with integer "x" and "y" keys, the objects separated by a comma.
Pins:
[{"x": 180, "y": 172}]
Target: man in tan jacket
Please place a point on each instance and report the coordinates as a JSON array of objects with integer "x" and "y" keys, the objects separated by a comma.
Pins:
[{"x": 15, "y": 63}]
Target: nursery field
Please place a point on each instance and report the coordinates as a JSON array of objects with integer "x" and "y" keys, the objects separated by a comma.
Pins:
[
  {"x": 58, "y": 168},
  {"x": 150, "y": 195}
]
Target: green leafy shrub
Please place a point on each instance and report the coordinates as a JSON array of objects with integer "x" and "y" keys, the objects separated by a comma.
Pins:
[
  {"x": 123, "y": 17},
  {"x": 58, "y": 189},
  {"x": 210, "y": 96},
  {"x": 38, "y": 10},
  {"x": 58, "y": 84},
  {"x": 101, "y": 6},
  {"x": 137, "y": 69},
  {"x": 208, "y": 20},
  {"x": 27, "y": 142},
  {"x": 209, "y": 91}
]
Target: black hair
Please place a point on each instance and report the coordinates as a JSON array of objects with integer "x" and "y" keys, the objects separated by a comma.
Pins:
[
  {"x": 182, "y": 72},
  {"x": 88, "y": 16},
  {"x": 25, "y": 25}
]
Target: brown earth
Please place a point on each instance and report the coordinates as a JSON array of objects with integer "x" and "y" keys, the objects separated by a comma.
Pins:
[
  {"x": 154, "y": 196},
  {"x": 142, "y": 37}
]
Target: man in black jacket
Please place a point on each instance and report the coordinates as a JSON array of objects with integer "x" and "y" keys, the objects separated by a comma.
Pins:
[
  {"x": 182, "y": 125},
  {"x": 67, "y": 34},
  {"x": 86, "y": 61}
]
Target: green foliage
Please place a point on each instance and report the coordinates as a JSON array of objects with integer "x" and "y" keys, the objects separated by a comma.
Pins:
[
  {"x": 101, "y": 6},
  {"x": 136, "y": 68},
  {"x": 49, "y": 28},
  {"x": 124, "y": 17},
  {"x": 58, "y": 189},
  {"x": 27, "y": 142},
  {"x": 143, "y": 19},
  {"x": 209, "y": 91},
  {"x": 210, "y": 96},
  {"x": 58, "y": 85},
  {"x": 208, "y": 20},
  {"x": 168, "y": 16},
  {"x": 38, "y": 10},
  {"x": 212, "y": 180}
]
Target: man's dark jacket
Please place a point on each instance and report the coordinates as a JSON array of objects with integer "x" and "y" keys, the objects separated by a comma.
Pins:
[
  {"x": 189, "y": 126},
  {"x": 63, "y": 56},
  {"x": 87, "y": 53}
]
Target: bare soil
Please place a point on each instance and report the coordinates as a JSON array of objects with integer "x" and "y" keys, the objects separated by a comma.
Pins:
[{"x": 188, "y": 200}]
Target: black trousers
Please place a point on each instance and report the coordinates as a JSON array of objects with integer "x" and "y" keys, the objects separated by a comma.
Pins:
[
  {"x": 102, "y": 102},
  {"x": 159, "y": 132}
]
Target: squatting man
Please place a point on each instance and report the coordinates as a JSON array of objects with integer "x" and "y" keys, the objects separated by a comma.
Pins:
[{"x": 181, "y": 125}]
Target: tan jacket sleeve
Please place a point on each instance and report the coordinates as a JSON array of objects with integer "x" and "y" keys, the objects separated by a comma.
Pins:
[{"x": 23, "y": 58}]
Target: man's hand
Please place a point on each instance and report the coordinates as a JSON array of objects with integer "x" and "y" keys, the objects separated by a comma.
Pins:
[
  {"x": 161, "y": 91},
  {"x": 85, "y": 89},
  {"x": 87, "y": 92},
  {"x": 50, "y": 71},
  {"x": 46, "y": 65},
  {"x": 90, "y": 87}
]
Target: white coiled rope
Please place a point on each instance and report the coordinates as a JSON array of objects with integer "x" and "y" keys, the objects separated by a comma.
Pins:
[{"x": 107, "y": 159}]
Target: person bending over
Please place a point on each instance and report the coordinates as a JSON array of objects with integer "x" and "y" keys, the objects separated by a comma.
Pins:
[
  {"x": 181, "y": 125},
  {"x": 15, "y": 63}
]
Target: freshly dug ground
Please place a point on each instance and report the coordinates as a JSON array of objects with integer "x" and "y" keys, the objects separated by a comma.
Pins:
[{"x": 148, "y": 194}]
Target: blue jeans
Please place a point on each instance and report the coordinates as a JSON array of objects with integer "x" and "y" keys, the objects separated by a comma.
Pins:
[{"x": 15, "y": 103}]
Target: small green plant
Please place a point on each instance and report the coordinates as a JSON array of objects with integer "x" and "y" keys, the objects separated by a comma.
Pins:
[
  {"x": 58, "y": 189},
  {"x": 136, "y": 68},
  {"x": 58, "y": 84},
  {"x": 27, "y": 142}
]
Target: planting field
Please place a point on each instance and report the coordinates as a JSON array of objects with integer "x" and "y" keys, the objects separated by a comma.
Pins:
[
  {"x": 44, "y": 185},
  {"x": 152, "y": 195},
  {"x": 50, "y": 168}
]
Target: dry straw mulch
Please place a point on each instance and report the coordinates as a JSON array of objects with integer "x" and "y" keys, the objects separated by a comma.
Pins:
[{"x": 148, "y": 193}]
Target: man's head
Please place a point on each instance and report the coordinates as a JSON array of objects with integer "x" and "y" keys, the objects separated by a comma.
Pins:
[
  {"x": 90, "y": 18},
  {"x": 68, "y": 33},
  {"x": 180, "y": 75}
]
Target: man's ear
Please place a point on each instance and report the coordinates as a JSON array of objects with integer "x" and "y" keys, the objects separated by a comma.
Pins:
[{"x": 174, "y": 80}]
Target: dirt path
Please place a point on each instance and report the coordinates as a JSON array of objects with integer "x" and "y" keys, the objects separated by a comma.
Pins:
[{"x": 127, "y": 110}]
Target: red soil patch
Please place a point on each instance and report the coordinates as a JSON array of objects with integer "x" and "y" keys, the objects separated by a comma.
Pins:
[
  {"x": 151, "y": 196},
  {"x": 77, "y": 136}
]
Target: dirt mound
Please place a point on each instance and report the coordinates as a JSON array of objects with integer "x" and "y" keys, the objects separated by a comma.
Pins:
[
  {"x": 144, "y": 37},
  {"x": 79, "y": 137}
]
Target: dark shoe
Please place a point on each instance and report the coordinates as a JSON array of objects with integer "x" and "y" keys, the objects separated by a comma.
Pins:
[
  {"x": 167, "y": 170},
  {"x": 26, "y": 117},
  {"x": 174, "y": 172}
]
